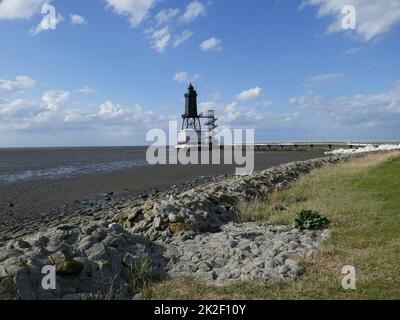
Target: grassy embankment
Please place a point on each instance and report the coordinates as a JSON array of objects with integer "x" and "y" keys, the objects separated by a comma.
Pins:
[{"x": 362, "y": 198}]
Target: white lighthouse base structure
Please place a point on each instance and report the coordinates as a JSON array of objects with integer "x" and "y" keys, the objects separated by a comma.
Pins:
[{"x": 190, "y": 138}]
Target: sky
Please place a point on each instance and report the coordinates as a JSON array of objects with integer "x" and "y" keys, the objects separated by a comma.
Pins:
[{"x": 105, "y": 72}]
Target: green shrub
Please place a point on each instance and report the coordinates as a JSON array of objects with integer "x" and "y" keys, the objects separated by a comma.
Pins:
[{"x": 313, "y": 220}]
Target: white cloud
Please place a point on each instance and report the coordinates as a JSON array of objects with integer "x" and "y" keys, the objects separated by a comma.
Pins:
[
  {"x": 327, "y": 78},
  {"x": 374, "y": 18},
  {"x": 249, "y": 94},
  {"x": 353, "y": 51},
  {"x": 264, "y": 103},
  {"x": 212, "y": 44},
  {"x": 25, "y": 10},
  {"x": 111, "y": 110},
  {"x": 16, "y": 106},
  {"x": 136, "y": 10},
  {"x": 204, "y": 106},
  {"x": 20, "y": 83},
  {"x": 240, "y": 115},
  {"x": 76, "y": 19},
  {"x": 54, "y": 99},
  {"x": 165, "y": 16},
  {"x": 111, "y": 113},
  {"x": 184, "y": 77},
  {"x": 54, "y": 114},
  {"x": 236, "y": 116},
  {"x": 231, "y": 112},
  {"x": 20, "y": 9},
  {"x": 184, "y": 36},
  {"x": 193, "y": 10},
  {"x": 380, "y": 109},
  {"x": 301, "y": 100},
  {"x": 163, "y": 29},
  {"x": 181, "y": 77},
  {"x": 86, "y": 90},
  {"x": 160, "y": 38}
]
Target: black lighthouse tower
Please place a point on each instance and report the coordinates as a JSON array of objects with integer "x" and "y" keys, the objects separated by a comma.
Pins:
[
  {"x": 191, "y": 124},
  {"x": 191, "y": 118}
]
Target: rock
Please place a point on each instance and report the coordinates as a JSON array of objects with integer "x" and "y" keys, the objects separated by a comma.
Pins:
[
  {"x": 209, "y": 277},
  {"x": 122, "y": 216},
  {"x": 3, "y": 272},
  {"x": 115, "y": 227},
  {"x": 227, "y": 199},
  {"x": 41, "y": 241},
  {"x": 6, "y": 254},
  {"x": 100, "y": 234},
  {"x": 281, "y": 258},
  {"x": 299, "y": 271},
  {"x": 220, "y": 262},
  {"x": 129, "y": 260},
  {"x": 232, "y": 243},
  {"x": 283, "y": 270},
  {"x": 195, "y": 259},
  {"x": 310, "y": 253},
  {"x": 65, "y": 227},
  {"x": 21, "y": 244},
  {"x": 148, "y": 205},
  {"x": 69, "y": 267},
  {"x": 8, "y": 289},
  {"x": 178, "y": 227},
  {"x": 87, "y": 243},
  {"x": 149, "y": 216},
  {"x": 58, "y": 257},
  {"x": 135, "y": 214},
  {"x": 11, "y": 244},
  {"x": 174, "y": 218},
  {"x": 254, "y": 245},
  {"x": 157, "y": 223},
  {"x": 113, "y": 241},
  {"x": 24, "y": 286},
  {"x": 168, "y": 207},
  {"x": 204, "y": 266}
]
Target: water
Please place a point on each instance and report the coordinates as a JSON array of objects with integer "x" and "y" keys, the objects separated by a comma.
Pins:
[
  {"x": 32, "y": 164},
  {"x": 35, "y": 182},
  {"x": 53, "y": 163}
]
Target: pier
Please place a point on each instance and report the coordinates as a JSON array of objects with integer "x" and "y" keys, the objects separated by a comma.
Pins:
[{"x": 311, "y": 145}]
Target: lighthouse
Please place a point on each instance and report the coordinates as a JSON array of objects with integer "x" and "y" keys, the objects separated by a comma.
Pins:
[
  {"x": 191, "y": 118},
  {"x": 192, "y": 135}
]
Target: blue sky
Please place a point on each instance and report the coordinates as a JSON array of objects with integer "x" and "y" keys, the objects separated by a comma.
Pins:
[{"x": 113, "y": 69}]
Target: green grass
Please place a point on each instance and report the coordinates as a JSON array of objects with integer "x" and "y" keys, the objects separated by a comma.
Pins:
[
  {"x": 362, "y": 199},
  {"x": 140, "y": 275}
]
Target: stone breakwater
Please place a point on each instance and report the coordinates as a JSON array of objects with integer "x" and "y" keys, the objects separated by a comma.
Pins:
[{"x": 192, "y": 233}]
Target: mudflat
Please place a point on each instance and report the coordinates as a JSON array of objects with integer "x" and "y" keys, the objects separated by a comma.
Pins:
[{"x": 40, "y": 196}]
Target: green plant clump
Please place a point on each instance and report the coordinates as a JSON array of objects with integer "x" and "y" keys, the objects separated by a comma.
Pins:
[
  {"x": 311, "y": 220},
  {"x": 141, "y": 274}
]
